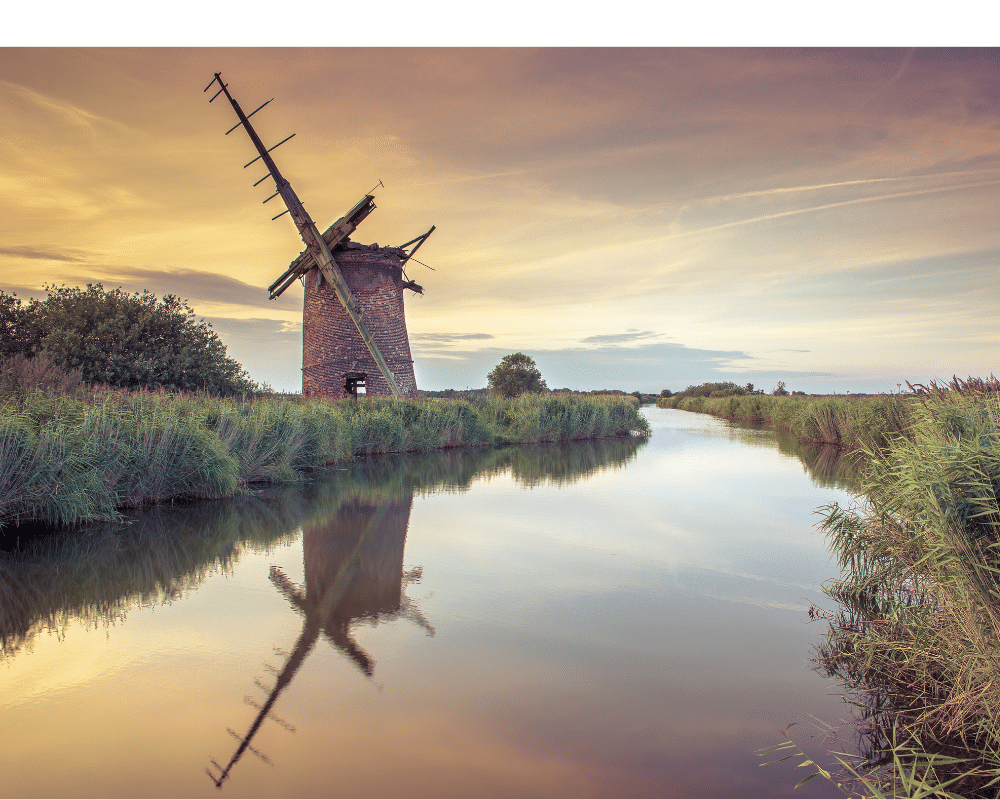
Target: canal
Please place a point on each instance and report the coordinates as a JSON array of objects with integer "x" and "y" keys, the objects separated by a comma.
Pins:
[{"x": 614, "y": 618}]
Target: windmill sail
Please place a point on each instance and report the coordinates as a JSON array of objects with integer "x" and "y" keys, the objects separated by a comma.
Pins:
[{"x": 316, "y": 245}]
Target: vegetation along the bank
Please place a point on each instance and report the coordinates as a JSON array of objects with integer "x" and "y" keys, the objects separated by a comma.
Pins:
[
  {"x": 847, "y": 422},
  {"x": 78, "y": 456},
  {"x": 916, "y": 634},
  {"x": 126, "y": 340}
]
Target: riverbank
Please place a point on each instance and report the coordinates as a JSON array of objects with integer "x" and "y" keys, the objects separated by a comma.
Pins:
[
  {"x": 915, "y": 632},
  {"x": 851, "y": 423},
  {"x": 81, "y": 457}
]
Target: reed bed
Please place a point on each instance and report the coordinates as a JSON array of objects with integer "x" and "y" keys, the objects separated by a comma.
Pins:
[
  {"x": 852, "y": 423},
  {"x": 82, "y": 456},
  {"x": 916, "y": 639},
  {"x": 95, "y": 575}
]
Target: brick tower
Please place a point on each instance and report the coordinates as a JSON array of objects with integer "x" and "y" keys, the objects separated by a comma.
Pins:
[{"x": 336, "y": 362}]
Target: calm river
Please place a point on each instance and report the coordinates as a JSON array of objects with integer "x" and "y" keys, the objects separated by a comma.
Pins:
[{"x": 616, "y": 618}]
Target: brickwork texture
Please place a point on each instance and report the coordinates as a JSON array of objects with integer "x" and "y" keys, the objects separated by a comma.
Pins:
[{"x": 331, "y": 344}]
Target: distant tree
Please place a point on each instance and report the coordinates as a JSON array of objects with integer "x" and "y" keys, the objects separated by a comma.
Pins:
[
  {"x": 125, "y": 340},
  {"x": 666, "y": 393},
  {"x": 515, "y": 375},
  {"x": 749, "y": 388},
  {"x": 780, "y": 390}
]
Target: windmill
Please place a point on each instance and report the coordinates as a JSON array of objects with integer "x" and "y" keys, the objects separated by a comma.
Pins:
[{"x": 353, "y": 323}]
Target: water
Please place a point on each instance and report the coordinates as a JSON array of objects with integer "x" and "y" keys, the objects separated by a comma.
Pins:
[{"x": 620, "y": 618}]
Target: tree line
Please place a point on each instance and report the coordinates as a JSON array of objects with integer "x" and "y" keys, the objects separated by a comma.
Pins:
[{"x": 727, "y": 389}]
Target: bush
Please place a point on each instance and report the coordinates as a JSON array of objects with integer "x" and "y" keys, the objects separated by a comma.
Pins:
[
  {"x": 20, "y": 375},
  {"x": 124, "y": 340}
]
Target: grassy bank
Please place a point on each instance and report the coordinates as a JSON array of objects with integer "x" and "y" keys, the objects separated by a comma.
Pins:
[
  {"x": 916, "y": 639},
  {"x": 95, "y": 576},
  {"x": 78, "y": 457},
  {"x": 851, "y": 423}
]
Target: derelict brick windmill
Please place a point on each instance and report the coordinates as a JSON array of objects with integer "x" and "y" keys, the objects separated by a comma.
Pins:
[{"x": 353, "y": 323}]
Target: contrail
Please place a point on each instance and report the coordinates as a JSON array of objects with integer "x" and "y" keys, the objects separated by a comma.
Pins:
[
  {"x": 859, "y": 181},
  {"x": 840, "y": 204}
]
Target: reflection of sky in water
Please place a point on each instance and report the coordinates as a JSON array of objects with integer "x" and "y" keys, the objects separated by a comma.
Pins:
[
  {"x": 638, "y": 632},
  {"x": 705, "y": 517}
]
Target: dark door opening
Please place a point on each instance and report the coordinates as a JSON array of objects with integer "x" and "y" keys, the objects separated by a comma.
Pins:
[{"x": 355, "y": 384}]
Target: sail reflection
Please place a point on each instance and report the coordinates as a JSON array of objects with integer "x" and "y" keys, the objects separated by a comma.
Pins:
[
  {"x": 352, "y": 522},
  {"x": 353, "y": 571}
]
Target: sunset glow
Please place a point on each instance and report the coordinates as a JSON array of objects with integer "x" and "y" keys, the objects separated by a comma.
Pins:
[{"x": 631, "y": 218}]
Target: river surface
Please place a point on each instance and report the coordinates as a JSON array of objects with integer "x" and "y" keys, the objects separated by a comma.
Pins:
[{"x": 616, "y": 618}]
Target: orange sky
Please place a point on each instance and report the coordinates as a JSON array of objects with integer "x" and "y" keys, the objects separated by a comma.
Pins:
[{"x": 640, "y": 218}]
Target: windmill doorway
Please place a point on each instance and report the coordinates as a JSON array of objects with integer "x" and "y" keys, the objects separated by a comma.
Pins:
[{"x": 356, "y": 384}]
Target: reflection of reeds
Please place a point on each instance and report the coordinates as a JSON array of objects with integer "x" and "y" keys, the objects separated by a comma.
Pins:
[
  {"x": 75, "y": 458},
  {"x": 826, "y": 464},
  {"x": 917, "y": 639},
  {"x": 96, "y": 573}
]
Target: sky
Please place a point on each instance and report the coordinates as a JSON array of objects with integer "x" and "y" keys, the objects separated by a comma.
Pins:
[{"x": 634, "y": 218}]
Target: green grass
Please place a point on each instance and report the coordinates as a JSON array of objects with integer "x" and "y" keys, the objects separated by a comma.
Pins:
[
  {"x": 852, "y": 423},
  {"x": 82, "y": 456},
  {"x": 916, "y": 637}
]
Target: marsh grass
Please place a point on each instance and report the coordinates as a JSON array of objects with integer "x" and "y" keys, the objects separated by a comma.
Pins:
[
  {"x": 852, "y": 423},
  {"x": 916, "y": 640},
  {"x": 94, "y": 575},
  {"x": 82, "y": 456}
]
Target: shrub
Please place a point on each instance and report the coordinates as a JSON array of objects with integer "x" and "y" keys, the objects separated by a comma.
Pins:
[{"x": 123, "y": 340}]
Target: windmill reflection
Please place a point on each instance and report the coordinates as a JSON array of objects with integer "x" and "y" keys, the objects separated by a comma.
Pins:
[{"x": 354, "y": 572}]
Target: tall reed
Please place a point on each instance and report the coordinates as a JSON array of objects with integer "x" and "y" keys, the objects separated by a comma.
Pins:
[
  {"x": 917, "y": 636},
  {"x": 846, "y": 422},
  {"x": 71, "y": 458}
]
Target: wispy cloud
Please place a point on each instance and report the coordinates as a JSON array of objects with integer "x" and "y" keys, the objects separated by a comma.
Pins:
[
  {"x": 197, "y": 285},
  {"x": 619, "y": 338},
  {"x": 41, "y": 255},
  {"x": 75, "y": 114},
  {"x": 448, "y": 338}
]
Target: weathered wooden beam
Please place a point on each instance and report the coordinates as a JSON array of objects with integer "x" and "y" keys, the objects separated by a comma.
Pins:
[
  {"x": 333, "y": 235},
  {"x": 419, "y": 240}
]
